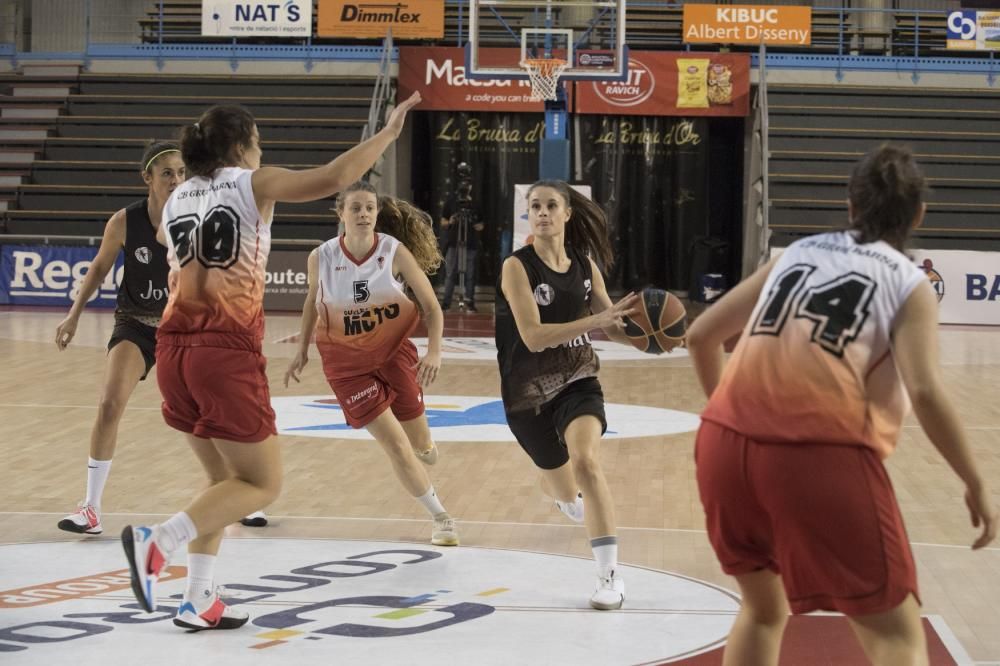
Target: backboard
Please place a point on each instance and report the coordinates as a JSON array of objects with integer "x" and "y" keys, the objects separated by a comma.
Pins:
[{"x": 588, "y": 34}]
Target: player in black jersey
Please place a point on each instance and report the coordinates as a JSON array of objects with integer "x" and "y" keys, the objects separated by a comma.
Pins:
[
  {"x": 142, "y": 295},
  {"x": 551, "y": 294}
]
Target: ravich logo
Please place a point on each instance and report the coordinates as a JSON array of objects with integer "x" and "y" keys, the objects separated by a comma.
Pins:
[
  {"x": 378, "y": 13},
  {"x": 633, "y": 91}
]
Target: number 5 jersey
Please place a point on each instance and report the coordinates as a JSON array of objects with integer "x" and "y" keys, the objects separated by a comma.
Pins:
[
  {"x": 217, "y": 247},
  {"x": 364, "y": 314},
  {"x": 814, "y": 363}
]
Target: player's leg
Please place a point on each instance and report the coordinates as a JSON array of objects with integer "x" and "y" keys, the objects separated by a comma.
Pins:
[
  {"x": 389, "y": 433},
  {"x": 755, "y": 638},
  {"x": 893, "y": 637},
  {"x": 418, "y": 432},
  {"x": 124, "y": 367}
]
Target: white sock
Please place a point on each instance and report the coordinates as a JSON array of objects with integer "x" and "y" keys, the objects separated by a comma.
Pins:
[
  {"x": 175, "y": 532},
  {"x": 431, "y": 502},
  {"x": 97, "y": 476},
  {"x": 605, "y": 553},
  {"x": 200, "y": 580}
]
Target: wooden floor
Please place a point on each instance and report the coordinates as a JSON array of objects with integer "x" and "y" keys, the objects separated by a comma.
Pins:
[{"x": 341, "y": 488}]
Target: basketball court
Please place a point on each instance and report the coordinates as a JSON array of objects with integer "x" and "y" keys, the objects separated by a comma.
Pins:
[{"x": 345, "y": 569}]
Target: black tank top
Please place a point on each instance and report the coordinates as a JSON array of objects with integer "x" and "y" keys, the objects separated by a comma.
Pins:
[
  {"x": 530, "y": 379},
  {"x": 143, "y": 291}
]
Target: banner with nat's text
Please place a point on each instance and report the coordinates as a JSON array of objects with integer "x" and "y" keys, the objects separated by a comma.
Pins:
[
  {"x": 52, "y": 275},
  {"x": 658, "y": 84}
]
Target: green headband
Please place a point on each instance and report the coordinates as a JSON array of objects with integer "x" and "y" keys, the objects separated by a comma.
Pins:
[{"x": 162, "y": 152}]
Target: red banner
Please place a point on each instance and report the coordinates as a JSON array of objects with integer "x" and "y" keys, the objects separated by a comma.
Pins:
[
  {"x": 672, "y": 84},
  {"x": 710, "y": 84}
]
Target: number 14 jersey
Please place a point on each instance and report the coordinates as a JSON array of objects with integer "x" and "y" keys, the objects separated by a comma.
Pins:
[
  {"x": 814, "y": 363},
  {"x": 364, "y": 315},
  {"x": 217, "y": 247}
]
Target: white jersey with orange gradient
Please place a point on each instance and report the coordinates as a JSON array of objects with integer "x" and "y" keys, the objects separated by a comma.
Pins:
[
  {"x": 814, "y": 363},
  {"x": 364, "y": 314},
  {"x": 217, "y": 248}
]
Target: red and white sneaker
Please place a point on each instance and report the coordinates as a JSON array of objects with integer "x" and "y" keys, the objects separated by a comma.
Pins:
[
  {"x": 217, "y": 615},
  {"x": 86, "y": 520},
  {"x": 145, "y": 562}
]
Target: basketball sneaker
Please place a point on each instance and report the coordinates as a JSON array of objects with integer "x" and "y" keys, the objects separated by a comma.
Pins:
[
  {"x": 255, "y": 519},
  {"x": 428, "y": 457},
  {"x": 145, "y": 562},
  {"x": 86, "y": 520},
  {"x": 610, "y": 592},
  {"x": 215, "y": 614},
  {"x": 573, "y": 510},
  {"x": 444, "y": 532}
]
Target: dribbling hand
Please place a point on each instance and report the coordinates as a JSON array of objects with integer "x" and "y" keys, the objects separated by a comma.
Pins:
[
  {"x": 398, "y": 116},
  {"x": 295, "y": 367},
  {"x": 982, "y": 511},
  {"x": 65, "y": 332},
  {"x": 615, "y": 315},
  {"x": 427, "y": 369}
]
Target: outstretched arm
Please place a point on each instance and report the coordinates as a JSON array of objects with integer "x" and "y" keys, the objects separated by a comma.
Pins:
[
  {"x": 277, "y": 184},
  {"x": 308, "y": 322},
  {"x": 111, "y": 245},
  {"x": 538, "y": 336},
  {"x": 406, "y": 265}
]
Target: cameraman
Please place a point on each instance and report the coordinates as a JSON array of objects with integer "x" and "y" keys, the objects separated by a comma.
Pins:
[{"x": 460, "y": 222}]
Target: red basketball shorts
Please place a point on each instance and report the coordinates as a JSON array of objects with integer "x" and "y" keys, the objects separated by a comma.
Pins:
[
  {"x": 823, "y": 516},
  {"x": 215, "y": 392},
  {"x": 364, "y": 396}
]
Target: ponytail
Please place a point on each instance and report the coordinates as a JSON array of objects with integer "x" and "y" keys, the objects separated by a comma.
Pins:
[
  {"x": 886, "y": 192},
  {"x": 210, "y": 143}
]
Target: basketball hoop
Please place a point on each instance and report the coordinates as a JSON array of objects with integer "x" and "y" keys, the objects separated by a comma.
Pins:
[{"x": 544, "y": 76}]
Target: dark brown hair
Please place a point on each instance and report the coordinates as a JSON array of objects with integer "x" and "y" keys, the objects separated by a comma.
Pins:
[
  {"x": 403, "y": 221},
  {"x": 211, "y": 142},
  {"x": 153, "y": 150},
  {"x": 587, "y": 227},
  {"x": 886, "y": 191}
]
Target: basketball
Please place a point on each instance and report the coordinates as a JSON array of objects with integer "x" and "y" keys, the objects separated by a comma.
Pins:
[{"x": 659, "y": 324}]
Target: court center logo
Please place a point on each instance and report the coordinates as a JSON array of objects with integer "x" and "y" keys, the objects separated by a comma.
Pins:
[
  {"x": 544, "y": 294},
  {"x": 322, "y": 601},
  {"x": 458, "y": 418}
]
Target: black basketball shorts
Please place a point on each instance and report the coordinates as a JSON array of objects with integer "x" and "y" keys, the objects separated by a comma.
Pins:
[
  {"x": 139, "y": 334},
  {"x": 540, "y": 431}
]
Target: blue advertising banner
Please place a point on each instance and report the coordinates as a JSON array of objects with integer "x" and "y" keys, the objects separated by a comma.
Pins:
[{"x": 52, "y": 275}]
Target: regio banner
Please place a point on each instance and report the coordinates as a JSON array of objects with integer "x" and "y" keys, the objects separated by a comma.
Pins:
[
  {"x": 53, "y": 275},
  {"x": 230, "y": 18},
  {"x": 972, "y": 30},
  {"x": 409, "y": 19},
  {"x": 748, "y": 24}
]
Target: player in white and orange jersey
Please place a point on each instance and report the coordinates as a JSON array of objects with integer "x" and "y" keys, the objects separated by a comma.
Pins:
[
  {"x": 211, "y": 372},
  {"x": 362, "y": 318},
  {"x": 789, "y": 455}
]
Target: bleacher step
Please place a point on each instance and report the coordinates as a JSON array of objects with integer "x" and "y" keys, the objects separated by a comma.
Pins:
[
  {"x": 26, "y": 112},
  {"x": 17, "y": 156},
  {"x": 23, "y": 134},
  {"x": 53, "y": 70},
  {"x": 40, "y": 91}
]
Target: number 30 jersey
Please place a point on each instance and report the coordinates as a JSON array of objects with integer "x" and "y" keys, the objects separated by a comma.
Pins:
[
  {"x": 217, "y": 247},
  {"x": 814, "y": 363},
  {"x": 364, "y": 315}
]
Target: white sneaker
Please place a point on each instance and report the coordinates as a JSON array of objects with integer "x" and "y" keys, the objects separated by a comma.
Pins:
[
  {"x": 86, "y": 520},
  {"x": 255, "y": 519},
  {"x": 610, "y": 592},
  {"x": 217, "y": 615},
  {"x": 145, "y": 562},
  {"x": 444, "y": 532},
  {"x": 428, "y": 457},
  {"x": 572, "y": 510}
]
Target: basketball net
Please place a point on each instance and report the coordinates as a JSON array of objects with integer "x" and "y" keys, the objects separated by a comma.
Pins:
[{"x": 544, "y": 76}]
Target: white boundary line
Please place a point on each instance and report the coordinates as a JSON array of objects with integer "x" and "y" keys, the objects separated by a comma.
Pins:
[{"x": 950, "y": 641}]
